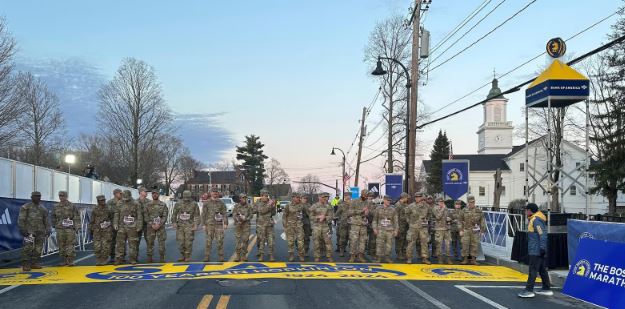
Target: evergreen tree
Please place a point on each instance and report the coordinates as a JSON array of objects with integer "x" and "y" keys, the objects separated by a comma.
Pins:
[
  {"x": 253, "y": 162},
  {"x": 440, "y": 152},
  {"x": 608, "y": 119}
]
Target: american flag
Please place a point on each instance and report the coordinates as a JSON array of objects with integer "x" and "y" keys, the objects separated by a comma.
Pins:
[{"x": 451, "y": 151}]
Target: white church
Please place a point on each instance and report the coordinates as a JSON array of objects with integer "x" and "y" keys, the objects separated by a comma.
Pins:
[{"x": 496, "y": 151}]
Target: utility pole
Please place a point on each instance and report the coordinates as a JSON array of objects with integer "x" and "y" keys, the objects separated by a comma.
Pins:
[
  {"x": 412, "y": 140},
  {"x": 362, "y": 137}
]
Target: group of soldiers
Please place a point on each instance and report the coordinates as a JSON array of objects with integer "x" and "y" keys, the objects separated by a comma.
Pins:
[{"x": 122, "y": 221}]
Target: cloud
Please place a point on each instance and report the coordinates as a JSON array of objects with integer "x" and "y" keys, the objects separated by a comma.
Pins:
[{"x": 205, "y": 135}]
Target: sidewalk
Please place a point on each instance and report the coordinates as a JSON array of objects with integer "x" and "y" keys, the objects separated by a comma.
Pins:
[{"x": 558, "y": 276}]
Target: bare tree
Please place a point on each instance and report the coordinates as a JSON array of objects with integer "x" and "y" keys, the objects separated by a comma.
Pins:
[
  {"x": 189, "y": 165},
  {"x": 172, "y": 150},
  {"x": 224, "y": 165},
  {"x": 41, "y": 119},
  {"x": 132, "y": 110},
  {"x": 309, "y": 185},
  {"x": 10, "y": 108},
  {"x": 274, "y": 175},
  {"x": 391, "y": 38}
]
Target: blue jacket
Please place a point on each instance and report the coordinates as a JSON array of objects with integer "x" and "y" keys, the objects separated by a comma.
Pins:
[{"x": 537, "y": 234}]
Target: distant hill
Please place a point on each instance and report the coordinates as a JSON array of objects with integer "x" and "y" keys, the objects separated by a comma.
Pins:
[{"x": 76, "y": 83}]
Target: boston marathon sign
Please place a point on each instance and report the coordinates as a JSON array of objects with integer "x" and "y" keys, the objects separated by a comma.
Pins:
[{"x": 254, "y": 270}]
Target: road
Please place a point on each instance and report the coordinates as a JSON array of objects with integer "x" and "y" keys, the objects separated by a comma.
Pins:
[{"x": 268, "y": 292}]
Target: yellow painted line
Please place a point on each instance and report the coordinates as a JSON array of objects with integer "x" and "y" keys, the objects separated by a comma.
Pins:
[
  {"x": 231, "y": 259},
  {"x": 205, "y": 302},
  {"x": 223, "y": 302}
]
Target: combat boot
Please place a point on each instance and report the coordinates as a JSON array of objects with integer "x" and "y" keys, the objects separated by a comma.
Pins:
[
  {"x": 473, "y": 261},
  {"x": 408, "y": 260},
  {"x": 181, "y": 259},
  {"x": 330, "y": 259},
  {"x": 206, "y": 259},
  {"x": 187, "y": 258},
  {"x": 387, "y": 259},
  {"x": 449, "y": 261},
  {"x": 237, "y": 257},
  {"x": 317, "y": 259},
  {"x": 426, "y": 261},
  {"x": 149, "y": 260},
  {"x": 70, "y": 261},
  {"x": 341, "y": 252},
  {"x": 221, "y": 258},
  {"x": 271, "y": 258},
  {"x": 465, "y": 261},
  {"x": 244, "y": 258},
  {"x": 162, "y": 259},
  {"x": 291, "y": 257},
  {"x": 352, "y": 259},
  {"x": 26, "y": 266},
  {"x": 261, "y": 257},
  {"x": 361, "y": 258},
  {"x": 378, "y": 259},
  {"x": 119, "y": 262},
  {"x": 35, "y": 265},
  {"x": 301, "y": 258}
]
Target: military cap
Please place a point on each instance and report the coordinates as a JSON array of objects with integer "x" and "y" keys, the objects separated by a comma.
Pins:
[
  {"x": 242, "y": 195},
  {"x": 471, "y": 198},
  {"x": 440, "y": 199},
  {"x": 295, "y": 194},
  {"x": 143, "y": 189},
  {"x": 364, "y": 192},
  {"x": 418, "y": 194},
  {"x": 305, "y": 196},
  {"x": 127, "y": 194},
  {"x": 35, "y": 193},
  {"x": 117, "y": 191},
  {"x": 62, "y": 193},
  {"x": 214, "y": 189},
  {"x": 430, "y": 197},
  {"x": 387, "y": 197},
  {"x": 324, "y": 194},
  {"x": 404, "y": 195},
  {"x": 100, "y": 198},
  {"x": 458, "y": 202},
  {"x": 264, "y": 191}
]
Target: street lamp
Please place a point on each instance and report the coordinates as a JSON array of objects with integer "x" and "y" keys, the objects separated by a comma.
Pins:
[
  {"x": 342, "y": 175},
  {"x": 139, "y": 181},
  {"x": 379, "y": 71},
  {"x": 70, "y": 159}
]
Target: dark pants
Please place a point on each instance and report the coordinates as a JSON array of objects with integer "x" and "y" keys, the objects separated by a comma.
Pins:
[{"x": 537, "y": 266}]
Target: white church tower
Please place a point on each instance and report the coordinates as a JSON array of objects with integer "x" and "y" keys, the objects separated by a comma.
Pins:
[{"x": 495, "y": 134}]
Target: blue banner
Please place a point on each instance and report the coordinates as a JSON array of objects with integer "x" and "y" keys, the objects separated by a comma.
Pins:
[
  {"x": 561, "y": 93},
  {"x": 496, "y": 228},
  {"x": 455, "y": 178},
  {"x": 355, "y": 192},
  {"x": 597, "y": 274},
  {"x": 580, "y": 229},
  {"x": 394, "y": 185}
]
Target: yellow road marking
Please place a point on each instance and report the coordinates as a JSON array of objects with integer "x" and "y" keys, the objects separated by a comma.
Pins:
[
  {"x": 231, "y": 259},
  {"x": 223, "y": 302},
  {"x": 205, "y": 302}
]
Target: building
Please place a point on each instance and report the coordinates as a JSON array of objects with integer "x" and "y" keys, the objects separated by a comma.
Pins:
[
  {"x": 229, "y": 183},
  {"x": 496, "y": 151}
]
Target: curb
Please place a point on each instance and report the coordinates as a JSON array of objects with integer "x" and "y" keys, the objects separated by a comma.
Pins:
[{"x": 556, "y": 279}]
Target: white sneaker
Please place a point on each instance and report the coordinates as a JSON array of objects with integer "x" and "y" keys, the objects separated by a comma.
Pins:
[
  {"x": 527, "y": 294},
  {"x": 544, "y": 292}
]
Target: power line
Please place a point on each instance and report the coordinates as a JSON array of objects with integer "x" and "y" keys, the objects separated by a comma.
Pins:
[
  {"x": 484, "y": 36},
  {"x": 465, "y": 21},
  {"x": 528, "y": 61},
  {"x": 518, "y": 87}
]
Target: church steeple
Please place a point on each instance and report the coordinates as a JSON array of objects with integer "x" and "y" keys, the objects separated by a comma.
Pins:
[{"x": 495, "y": 92}]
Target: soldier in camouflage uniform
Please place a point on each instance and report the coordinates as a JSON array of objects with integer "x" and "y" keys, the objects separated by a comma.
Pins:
[
  {"x": 371, "y": 243},
  {"x": 400, "y": 240},
  {"x": 155, "y": 215},
  {"x": 417, "y": 215},
  {"x": 265, "y": 210},
  {"x": 431, "y": 205},
  {"x": 242, "y": 214},
  {"x": 66, "y": 222},
  {"x": 128, "y": 222},
  {"x": 215, "y": 220},
  {"x": 442, "y": 222},
  {"x": 320, "y": 214},
  {"x": 34, "y": 226},
  {"x": 307, "y": 225},
  {"x": 112, "y": 206},
  {"x": 143, "y": 202},
  {"x": 357, "y": 217},
  {"x": 101, "y": 226},
  {"x": 454, "y": 229},
  {"x": 471, "y": 225},
  {"x": 292, "y": 217},
  {"x": 185, "y": 219},
  {"x": 386, "y": 227},
  {"x": 342, "y": 235}
]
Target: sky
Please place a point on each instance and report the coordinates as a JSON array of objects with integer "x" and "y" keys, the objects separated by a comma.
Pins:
[{"x": 292, "y": 72}]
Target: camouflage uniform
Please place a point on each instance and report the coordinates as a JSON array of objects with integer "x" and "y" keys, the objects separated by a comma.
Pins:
[
  {"x": 33, "y": 221},
  {"x": 343, "y": 226},
  {"x": 471, "y": 224},
  {"x": 417, "y": 215},
  {"x": 386, "y": 225},
  {"x": 242, "y": 215},
  {"x": 128, "y": 222},
  {"x": 143, "y": 204},
  {"x": 431, "y": 206},
  {"x": 442, "y": 222},
  {"x": 400, "y": 240},
  {"x": 66, "y": 222},
  {"x": 155, "y": 215},
  {"x": 320, "y": 229},
  {"x": 112, "y": 206},
  {"x": 186, "y": 218},
  {"x": 101, "y": 226},
  {"x": 454, "y": 214},
  {"x": 307, "y": 227},
  {"x": 357, "y": 229},
  {"x": 292, "y": 217},
  {"x": 371, "y": 242},
  {"x": 264, "y": 227},
  {"x": 215, "y": 220}
]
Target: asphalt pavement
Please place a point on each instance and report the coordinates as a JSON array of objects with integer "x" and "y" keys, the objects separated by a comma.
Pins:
[{"x": 269, "y": 293}]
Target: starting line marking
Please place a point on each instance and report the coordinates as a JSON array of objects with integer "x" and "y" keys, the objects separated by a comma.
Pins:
[{"x": 258, "y": 270}]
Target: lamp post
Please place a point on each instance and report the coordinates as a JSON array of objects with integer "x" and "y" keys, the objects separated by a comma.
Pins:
[
  {"x": 342, "y": 175},
  {"x": 379, "y": 71},
  {"x": 70, "y": 159}
]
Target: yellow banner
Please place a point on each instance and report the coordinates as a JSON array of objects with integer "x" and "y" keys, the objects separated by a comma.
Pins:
[{"x": 255, "y": 270}]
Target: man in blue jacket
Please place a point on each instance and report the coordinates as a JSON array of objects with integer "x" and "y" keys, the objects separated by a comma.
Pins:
[{"x": 537, "y": 251}]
